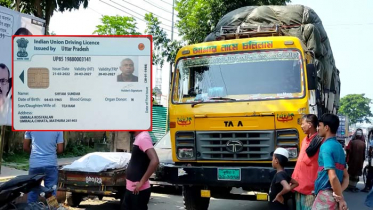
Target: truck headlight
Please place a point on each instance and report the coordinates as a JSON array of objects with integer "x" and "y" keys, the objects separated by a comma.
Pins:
[
  {"x": 185, "y": 153},
  {"x": 293, "y": 152}
]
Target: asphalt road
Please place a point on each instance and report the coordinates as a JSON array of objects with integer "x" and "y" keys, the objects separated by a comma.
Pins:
[
  {"x": 162, "y": 201},
  {"x": 170, "y": 200}
]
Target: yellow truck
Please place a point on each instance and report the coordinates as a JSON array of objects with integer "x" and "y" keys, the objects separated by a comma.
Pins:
[{"x": 232, "y": 102}]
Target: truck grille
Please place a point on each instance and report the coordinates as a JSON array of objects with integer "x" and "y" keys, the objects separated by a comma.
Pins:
[
  {"x": 287, "y": 137},
  {"x": 251, "y": 145}
]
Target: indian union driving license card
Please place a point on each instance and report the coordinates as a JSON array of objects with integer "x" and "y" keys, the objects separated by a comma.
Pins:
[{"x": 82, "y": 83}]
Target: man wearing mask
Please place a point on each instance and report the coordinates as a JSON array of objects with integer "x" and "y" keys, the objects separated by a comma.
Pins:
[
  {"x": 305, "y": 171},
  {"x": 355, "y": 151}
]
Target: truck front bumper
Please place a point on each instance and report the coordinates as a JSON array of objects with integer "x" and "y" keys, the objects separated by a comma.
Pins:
[{"x": 250, "y": 177}]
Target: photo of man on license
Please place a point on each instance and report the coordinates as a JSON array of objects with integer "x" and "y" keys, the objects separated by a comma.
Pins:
[{"x": 127, "y": 68}]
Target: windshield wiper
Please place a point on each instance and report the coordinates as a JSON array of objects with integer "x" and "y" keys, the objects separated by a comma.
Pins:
[
  {"x": 221, "y": 98},
  {"x": 214, "y": 98},
  {"x": 195, "y": 103}
]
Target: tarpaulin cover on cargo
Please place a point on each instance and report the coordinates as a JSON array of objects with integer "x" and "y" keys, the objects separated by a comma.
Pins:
[
  {"x": 100, "y": 161},
  {"x": 298, "y": 21}
]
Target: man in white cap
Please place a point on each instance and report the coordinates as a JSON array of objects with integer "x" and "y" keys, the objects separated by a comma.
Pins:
[{"x": 282, "y": 183}]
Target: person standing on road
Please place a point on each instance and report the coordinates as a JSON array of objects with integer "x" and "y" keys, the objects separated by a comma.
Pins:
[
  {"x": 332, "y": 178},
  {"x": 281, "y": 183},
  {"x": 369, "y": 175},
  {"x": 144, "y": 161},
  {"x": 43, "y": 147},
  {"x": 305, "y": 170},
  {"x": 355, "y": 159}
]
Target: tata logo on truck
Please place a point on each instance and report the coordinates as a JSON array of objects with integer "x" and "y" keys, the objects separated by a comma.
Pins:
[{"x": 234, "y": 146}]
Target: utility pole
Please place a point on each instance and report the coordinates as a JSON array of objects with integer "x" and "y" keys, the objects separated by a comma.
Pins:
[
  {"x": 172, "y": 28},
  {"x": 17, "y": 5},
  {"x": 172, "y": 38}
]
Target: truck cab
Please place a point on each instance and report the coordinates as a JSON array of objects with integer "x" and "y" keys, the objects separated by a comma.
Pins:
[{"x": 232, "y": 102}]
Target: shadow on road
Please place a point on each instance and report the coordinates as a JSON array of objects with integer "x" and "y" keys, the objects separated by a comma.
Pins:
[
  {"x": 167, "y": 190},
  {"x": 92, "y": 205},
  {"x": 171, "y": 199}
]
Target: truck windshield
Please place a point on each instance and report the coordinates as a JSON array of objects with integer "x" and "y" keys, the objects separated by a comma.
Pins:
[{"x": 245, "y": 76}]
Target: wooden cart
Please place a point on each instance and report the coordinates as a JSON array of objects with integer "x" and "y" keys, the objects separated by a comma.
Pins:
[{"x": 110, "y": 183}]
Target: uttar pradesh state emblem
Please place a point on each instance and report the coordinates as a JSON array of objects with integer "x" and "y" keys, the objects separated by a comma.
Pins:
[{"x": 22, "y": 45}]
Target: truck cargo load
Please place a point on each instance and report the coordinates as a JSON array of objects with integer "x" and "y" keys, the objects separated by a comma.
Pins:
[
  {"x": 99, "y": 162},
  {"x": 301, "y": 22}
]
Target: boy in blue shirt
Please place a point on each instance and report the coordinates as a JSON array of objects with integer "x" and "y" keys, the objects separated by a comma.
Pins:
[{"x": 332, "y": 177}]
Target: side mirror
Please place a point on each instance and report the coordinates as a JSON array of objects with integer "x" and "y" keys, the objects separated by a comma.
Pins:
[{"x": 311, "y": 77}]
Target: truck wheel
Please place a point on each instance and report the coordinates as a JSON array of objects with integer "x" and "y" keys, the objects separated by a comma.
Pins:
[
  {"x": 74, "y": 199},
  {"x": 193, "y": 200}
]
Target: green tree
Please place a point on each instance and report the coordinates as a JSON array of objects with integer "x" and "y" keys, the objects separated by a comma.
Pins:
[
  {"x": 164, "y": 48},
  {"x": 43, "y": 8},
  {"x": 18, "y": 5},
  {"x": 6, "y": 3},
  {"x": 117, "y": 25},
  {"x": 199, "y": 17},
  {"x": 154, "y": 94},
  {"x": 356, "y": 107},
  {"x": 51, "y": 33}
]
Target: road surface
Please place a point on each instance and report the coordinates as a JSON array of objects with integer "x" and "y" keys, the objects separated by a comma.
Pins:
[{"x": 162, "y": 200}]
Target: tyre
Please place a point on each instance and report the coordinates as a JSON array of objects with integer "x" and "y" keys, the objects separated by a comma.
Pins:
[
  {"x": 74, "y": 199},
  {"x": 193, "y": 200}
]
